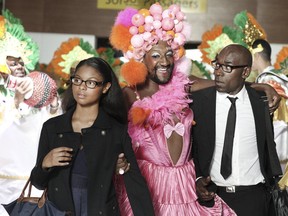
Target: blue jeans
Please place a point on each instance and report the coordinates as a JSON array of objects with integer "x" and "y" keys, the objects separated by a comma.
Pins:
[{"x": 79, "y": 192}]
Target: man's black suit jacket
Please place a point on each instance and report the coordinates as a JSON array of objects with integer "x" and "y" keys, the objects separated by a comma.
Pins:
[{"x": 203, "y": 133}]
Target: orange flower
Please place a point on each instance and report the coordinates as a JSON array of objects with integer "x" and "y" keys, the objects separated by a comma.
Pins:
[
  {"x": 281, "y": 56},
  {"x": 65, "y": 48},
  {"x": 2, "y": 26},
  {"x": 211, "y": 35}
]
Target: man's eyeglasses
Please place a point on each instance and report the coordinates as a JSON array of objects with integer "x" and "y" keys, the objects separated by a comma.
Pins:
[
  {"x": 89, "y": 83},
  {"x": 225, "y": 68}
]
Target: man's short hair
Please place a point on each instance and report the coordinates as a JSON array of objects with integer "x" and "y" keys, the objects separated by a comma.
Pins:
[{"x": 266, "y": 52}]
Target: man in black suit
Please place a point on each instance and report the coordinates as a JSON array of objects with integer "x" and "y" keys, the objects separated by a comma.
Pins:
[{"x": 245, "y": 170}]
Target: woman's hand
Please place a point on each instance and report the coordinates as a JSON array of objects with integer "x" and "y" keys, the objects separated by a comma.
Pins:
[
  {"x": 58, "y": 157},
  {"x": 122, "y": 165}
]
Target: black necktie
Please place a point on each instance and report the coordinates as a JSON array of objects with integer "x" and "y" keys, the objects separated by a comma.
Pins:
[{"x": 226, "y": 162}]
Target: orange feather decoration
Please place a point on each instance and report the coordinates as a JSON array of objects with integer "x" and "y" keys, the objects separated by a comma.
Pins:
[
  {"x": 138, "y": 115},
  {"x": 134, "y": 72}
]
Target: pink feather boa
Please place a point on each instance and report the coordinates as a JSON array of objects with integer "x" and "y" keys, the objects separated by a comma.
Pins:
[{"x": 170, "y": 100}]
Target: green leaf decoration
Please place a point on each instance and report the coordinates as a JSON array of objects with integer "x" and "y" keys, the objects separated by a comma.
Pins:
[
  {"x": 241, "y": 19},
  {"x": 86, "y": 46}
]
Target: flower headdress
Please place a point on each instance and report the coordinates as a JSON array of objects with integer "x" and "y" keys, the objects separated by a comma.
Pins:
[
  {"x": 70, "y": 53},
  {"x": 199, "y": 70},
  {"x": 135, "y": 32},
  {"x": 216, "y": 39},
  {"x": 15, "y": 42},
  {"x": 281, "y": 64},
  {"x": 245, "y": 32},
  {"x": 251, "y": 29}
]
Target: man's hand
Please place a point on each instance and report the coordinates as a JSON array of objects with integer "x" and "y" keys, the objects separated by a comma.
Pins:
[
  {"x": 122, "y": 165},
  {"x": 272, "y": 96},
  {"x": 201, "y": 189},
  {"x": 273, "y": 101}
]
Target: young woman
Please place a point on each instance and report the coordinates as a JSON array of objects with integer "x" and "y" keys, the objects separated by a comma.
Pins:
[{"x": 78, "y": 150}]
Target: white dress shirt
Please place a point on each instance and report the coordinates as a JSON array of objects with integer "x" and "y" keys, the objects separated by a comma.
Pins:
[{"x": 245, "y": 159}]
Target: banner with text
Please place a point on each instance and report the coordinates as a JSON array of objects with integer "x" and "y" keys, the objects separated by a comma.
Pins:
[{"x": 187, "y": 6}]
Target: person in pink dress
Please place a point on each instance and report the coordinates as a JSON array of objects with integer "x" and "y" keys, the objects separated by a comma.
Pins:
[{"x": 160, "y": 120}]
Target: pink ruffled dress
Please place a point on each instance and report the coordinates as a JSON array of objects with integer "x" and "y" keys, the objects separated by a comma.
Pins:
[{"x": 172, "y": 186}]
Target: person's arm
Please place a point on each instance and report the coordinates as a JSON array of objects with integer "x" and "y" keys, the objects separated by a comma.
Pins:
[
  {"x": 54, "y": 106},
  {"x": 199, "y": 83},
  {"x": 205, "y": 190},
  {"x": 272, "y": 96}
]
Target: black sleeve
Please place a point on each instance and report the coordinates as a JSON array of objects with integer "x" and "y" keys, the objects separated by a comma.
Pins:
[{"x": 194, "y": 138}]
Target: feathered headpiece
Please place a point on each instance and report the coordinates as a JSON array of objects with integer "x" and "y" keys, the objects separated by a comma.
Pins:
[
  {"x": 67, "y": 56},
  {"x": 16, "y": 43},
  {"x": 199, "y": 70},
  {"x": 216, "y": 39},
  {"x": 251, "y": 29},
  {"x": 135, "y": 32},
  {"x": 245, "y": 32}
]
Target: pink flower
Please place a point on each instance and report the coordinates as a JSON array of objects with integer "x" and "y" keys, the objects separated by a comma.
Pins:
[
  {"x": 138, "y": 20},
  {"x": 174, "y": 8},
  {"x": 133, "y": 30},
  {"x": 149, "y": 19},
  {"x": 156, "y": 9},
  {"x": 137, "y": 41},
  {"x": 167, "y": 24},
  {"x": 179, "y": 27},
  {"x": 157, "y": 24}
]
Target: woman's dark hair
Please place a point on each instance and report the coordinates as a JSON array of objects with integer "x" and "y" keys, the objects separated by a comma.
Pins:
[{"x": 112, "y": 102}]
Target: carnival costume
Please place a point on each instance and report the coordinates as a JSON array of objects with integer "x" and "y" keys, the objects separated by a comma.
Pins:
[
  {"x": 172, "y": 186},
  {"x": 245, "y": 31},
  {"x": 20, "y": 127},
  {"x": 152, "y": 119}
]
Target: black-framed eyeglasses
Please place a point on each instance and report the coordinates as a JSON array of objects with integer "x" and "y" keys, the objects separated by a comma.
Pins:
[
  {"x": 226, "y": 68},
  {"x": 89, "y": 83}
]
